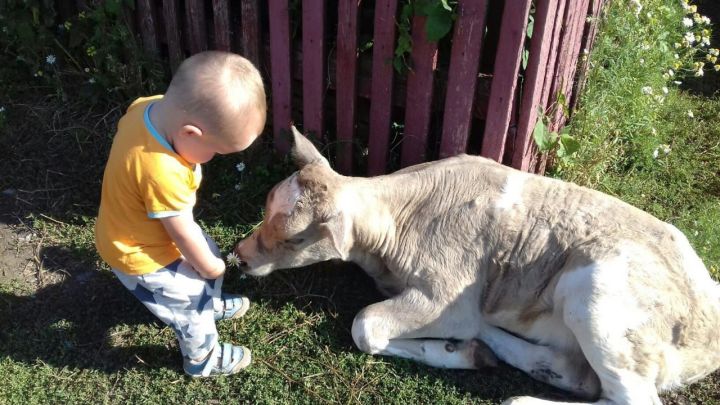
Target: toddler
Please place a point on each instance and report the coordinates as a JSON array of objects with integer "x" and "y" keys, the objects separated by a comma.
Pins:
[{"x": 145, "y": 228}]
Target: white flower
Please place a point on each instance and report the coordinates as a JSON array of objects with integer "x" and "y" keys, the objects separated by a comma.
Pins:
[
  {"x": 655, "y": 153},
  {"x": 87, "y": 70},
  {"x": 238, "y": 187},
  {"x": 665, "y": 148},
  {"x": 233, "y": 259},
  {"x": 647, "y": 90},
  {"x": 91, "y": 80},
  {"x": 705, "y": 20},
  {"x": 705, "y": 41},
  {"x": 50, "y": 59},
  {"x": 671, "y": 72},
  {"x": 2, "y": 109},
  {"x": 690, "y": 114},
  {"x": 642, "y": 61},
  {"x": 665, "y": 90},
  {"x": 677, "y": 56},
  {"x": 637, "y": 5},
  {"x": 240, "y": 166},
  {"x": 690, "y": 37},
  {"x": 700, "y": 72},
  {"x": 677, "y": 82},
  {"x": 687, "y": 22}
]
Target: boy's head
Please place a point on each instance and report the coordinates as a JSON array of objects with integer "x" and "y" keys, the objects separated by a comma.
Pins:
[{"x": 219, "y": 99}]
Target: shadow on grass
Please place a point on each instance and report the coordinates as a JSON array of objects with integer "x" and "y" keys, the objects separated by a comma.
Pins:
[{"x": 68, "y": 323}]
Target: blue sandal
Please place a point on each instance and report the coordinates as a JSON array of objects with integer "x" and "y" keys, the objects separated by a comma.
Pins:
[
  {"x": 235, "y": 306},
  {"x": 225, "y": 359}
]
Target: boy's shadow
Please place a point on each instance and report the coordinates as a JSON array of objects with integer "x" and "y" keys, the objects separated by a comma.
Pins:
[{"x": 71, "y": 323}]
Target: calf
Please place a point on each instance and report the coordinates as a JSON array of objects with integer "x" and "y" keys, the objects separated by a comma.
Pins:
[{"x": 574, "y": 287}]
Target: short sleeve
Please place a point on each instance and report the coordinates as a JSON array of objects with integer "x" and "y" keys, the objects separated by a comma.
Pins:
[{"x": 169, "y": 193}]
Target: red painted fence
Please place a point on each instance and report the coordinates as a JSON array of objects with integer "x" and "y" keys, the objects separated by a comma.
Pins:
[{"x": 328, "y": 68}]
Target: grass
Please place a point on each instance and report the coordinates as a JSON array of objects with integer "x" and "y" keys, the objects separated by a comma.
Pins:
[{"x": 72, "y": 334}]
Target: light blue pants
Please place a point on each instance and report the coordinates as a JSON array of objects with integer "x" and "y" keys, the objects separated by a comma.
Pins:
[{"x": 183, "y": 300}]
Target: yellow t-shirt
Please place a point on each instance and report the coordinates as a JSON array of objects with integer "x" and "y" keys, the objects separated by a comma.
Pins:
[{"x": 144, "y": 180}]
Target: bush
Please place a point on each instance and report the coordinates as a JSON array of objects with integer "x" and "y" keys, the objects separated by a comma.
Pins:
[{"x": 91, "y": 54}]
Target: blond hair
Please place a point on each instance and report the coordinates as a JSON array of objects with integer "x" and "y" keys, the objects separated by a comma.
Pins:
[{"x": 217, "y": 89}]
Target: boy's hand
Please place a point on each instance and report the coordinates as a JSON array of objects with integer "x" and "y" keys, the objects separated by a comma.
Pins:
[{"x": 189, "y": 238}]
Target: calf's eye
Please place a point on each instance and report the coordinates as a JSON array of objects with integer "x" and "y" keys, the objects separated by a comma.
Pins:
[{"x": 296, "y": 241}]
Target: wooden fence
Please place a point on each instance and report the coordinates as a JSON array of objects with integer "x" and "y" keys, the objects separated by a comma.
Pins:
[{"x": 467, "y": 93}]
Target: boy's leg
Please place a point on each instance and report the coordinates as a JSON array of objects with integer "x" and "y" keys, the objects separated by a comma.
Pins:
[{"x": 183, "y": 300}]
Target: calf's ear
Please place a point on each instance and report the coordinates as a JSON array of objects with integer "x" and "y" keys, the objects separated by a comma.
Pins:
[
  {"x": 303, "y": 152},
  {"x": 335, "y": 228}
]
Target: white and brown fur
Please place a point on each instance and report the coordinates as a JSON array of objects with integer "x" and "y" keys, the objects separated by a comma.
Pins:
[{"x": 574, "y": 287}]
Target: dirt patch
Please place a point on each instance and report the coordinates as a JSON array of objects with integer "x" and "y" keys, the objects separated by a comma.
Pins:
[
  {"x": 17, "y": 255},
  {"x": 21, "y": 265}
]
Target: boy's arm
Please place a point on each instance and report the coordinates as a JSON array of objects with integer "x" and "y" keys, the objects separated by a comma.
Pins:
[{"x": 188, "y": 237}]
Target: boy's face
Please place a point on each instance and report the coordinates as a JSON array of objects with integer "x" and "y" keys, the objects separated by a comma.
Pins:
[{"x": 197, "y": 146}]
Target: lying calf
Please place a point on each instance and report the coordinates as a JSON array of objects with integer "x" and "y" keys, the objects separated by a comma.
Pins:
[{"x": 574, "y": 287}]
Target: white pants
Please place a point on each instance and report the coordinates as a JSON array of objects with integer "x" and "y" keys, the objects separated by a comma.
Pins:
[{"x": 183, "y": 300}]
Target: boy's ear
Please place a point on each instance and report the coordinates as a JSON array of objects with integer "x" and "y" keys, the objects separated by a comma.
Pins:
[
  {"x": 303, "y": 151},
  {"x": 190, "y": 130}
]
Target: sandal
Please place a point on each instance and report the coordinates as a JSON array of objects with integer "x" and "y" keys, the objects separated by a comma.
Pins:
[
  {"x": 235, "y": 307},
  {"x": 225, "y": 359}
]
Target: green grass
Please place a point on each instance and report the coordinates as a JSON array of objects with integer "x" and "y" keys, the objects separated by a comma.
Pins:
[{"x": 72, "y": 334}]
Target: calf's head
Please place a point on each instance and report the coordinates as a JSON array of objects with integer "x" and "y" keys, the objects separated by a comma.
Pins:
[{"x": 303, "y": 221}]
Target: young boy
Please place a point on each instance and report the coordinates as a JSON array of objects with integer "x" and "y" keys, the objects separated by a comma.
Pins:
[{"x": 145, "y": 228}]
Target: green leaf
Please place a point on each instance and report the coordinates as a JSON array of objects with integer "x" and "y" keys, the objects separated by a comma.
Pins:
[
  {"x": 544, "y": 139},
  {"x": 113, "y": 7},
  {"x": 525, "y": 56},
  {"x": 568, "y": 145},
  {"x": 530, "y": 26},
  {"x": 438, "y": 24},
  {"x": 445, "y": 5}
]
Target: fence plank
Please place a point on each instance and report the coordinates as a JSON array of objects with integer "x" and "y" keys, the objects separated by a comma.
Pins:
[
  {"x": 250, "y": 29},
  {"x": 382, "y": 83},
  {"x": 313, "y": 63},
  {"x": 532, "y": 89},
  {"x": 502, "y": 91},
  {"x": 172, "y": 31},
  {"x": 346, "y": 93},
  {"x": 197, "y": 31},
  {"x": 462, "y": 76},
  {"x": 419, "y": 95},
  {"x": 548, "y": 83},
  {"x": 595, "y": 14},
  {"x": 280, "y": 71},
  {"x": 148, "y": 31},
  {"x": 221, "y": 23},
  {"x": 573, "y": 38}
]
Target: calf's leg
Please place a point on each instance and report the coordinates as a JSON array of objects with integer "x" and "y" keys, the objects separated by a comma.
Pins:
[{"x": 411, "y": 326}]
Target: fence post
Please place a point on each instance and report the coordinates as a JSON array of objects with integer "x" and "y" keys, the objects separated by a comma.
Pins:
[
  {"x": 534, "y": 80},
  {"x": 280, "y": 71},
  {"x": 505, "y": 78},
  {"x": 172, "y": 31},
  {"x": 462, "y": 76},
  {"x": 313, "y": 65},
  {"x": 148, "y": 30},
  {"x": 221, "y": 23},
  {"x": 382, "y": 84},
  {"x": 250, "y": 28},
  {"x": 346, "y": 93},
  {"x": 418, "y": 105},
  {"x": 197, "y": 32}
]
